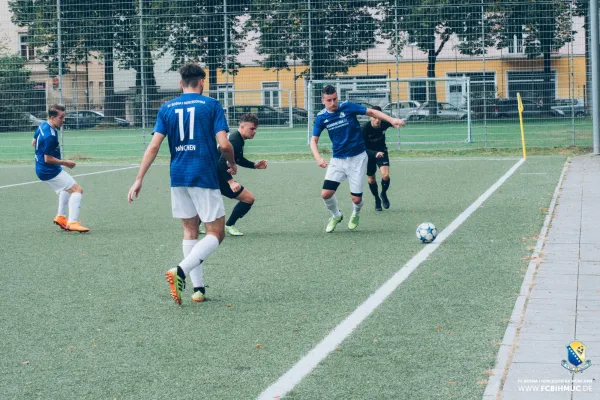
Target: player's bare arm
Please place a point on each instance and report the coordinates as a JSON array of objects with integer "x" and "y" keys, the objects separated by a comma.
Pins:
[
  {"x": 227, "y": 150},
  {"x": 396, "y": 122},
  {"x": 53, "y": 160},
  {"x": 262, "y": 164},
  {"x": 235, "y": 187},
  {"x": 147, "y": 160},
  {"x": 314, "y": 147}
]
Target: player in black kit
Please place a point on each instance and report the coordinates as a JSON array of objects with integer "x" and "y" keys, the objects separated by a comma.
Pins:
[
  {"x": 373, "y": 133},
  {"x": 229, "y": 187}
]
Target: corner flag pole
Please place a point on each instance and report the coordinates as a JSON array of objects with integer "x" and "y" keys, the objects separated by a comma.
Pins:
[{"x": 521, "y": 123}]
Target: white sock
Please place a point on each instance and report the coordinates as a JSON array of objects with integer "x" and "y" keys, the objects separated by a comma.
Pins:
[
  {"x": 357, "y": 207},
  {"x": 74, "y": 204},
  {"x": 332, "y": 206},
  {"x": 196, "y": 274},
  {"x": 63, "y": 202},
  {"x": 200, "y": 252}
]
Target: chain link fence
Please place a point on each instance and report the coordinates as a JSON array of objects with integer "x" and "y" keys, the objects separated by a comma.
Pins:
[{"x": 113, "y": 63}]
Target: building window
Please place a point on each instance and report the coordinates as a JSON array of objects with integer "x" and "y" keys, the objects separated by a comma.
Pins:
[
  {"x": 483, "y": 84},
  {"x": 270, "y": 94},
  {"x": 530, "y": 84},
  {"x": 225, "y": 89},
  {"x": 418, "y": 91},
  {"x": 27, "y": 50}
]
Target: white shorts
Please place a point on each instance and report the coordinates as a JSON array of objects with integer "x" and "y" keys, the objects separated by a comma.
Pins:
[
  {"x": 187, "y": 202},
  {"x": 351, "y": 168},
  {"x": 62, "y": 181}
]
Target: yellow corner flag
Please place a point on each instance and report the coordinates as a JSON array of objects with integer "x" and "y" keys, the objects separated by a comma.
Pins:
[{"x": 521, "y": 108}]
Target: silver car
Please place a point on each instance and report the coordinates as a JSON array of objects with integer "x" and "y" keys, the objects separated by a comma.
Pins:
[
  {"x": 401, "y": 109},
  {"x": 568, "y": 107},
  {"x": 445, "y": 110}
]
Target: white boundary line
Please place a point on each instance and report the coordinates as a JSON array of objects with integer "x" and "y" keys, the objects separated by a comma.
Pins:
[
  {"x": 303, "y": 367},
  {"x": 511, "y": 335},
  {"x": 74, "y": 176}
]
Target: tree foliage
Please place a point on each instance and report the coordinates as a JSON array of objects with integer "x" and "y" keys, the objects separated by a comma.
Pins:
[{"x": 15, "y": 89}]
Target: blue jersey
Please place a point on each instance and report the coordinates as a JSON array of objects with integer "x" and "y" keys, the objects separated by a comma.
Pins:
[
  {"x": 46, "y": 143},
  {"x": 343, "y": 129},
  {"x": 191, "y": 122}
]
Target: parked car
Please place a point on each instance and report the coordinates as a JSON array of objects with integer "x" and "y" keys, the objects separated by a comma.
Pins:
[
  {"x": 89, "y": 119},
  {"x": 299, "y": 115},
  {"x": 32, "y": 120},
  {"x": 509, "y": 108},
  {"x": 445, "y": 110},
  {"x": 267, "y": 115},
  {"x": 401, "y": 109},
  {"x": 568, "y": 107},
  {"x": 82, "y": 119}
]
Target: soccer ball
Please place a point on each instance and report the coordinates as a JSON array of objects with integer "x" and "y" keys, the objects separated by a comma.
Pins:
[{"x": 426, "y": 232}]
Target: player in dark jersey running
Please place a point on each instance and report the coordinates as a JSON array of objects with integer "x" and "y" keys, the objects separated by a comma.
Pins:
[
  {"x": 193, "y": 124},
  {"x": 373, "y": 133},
  {"x": 229, "y": 187}
]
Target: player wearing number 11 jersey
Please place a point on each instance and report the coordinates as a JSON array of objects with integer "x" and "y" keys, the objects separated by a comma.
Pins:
[{"x": 193, "y": 124}]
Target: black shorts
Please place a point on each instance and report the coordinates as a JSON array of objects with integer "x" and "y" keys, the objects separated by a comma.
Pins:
[
  {"x": 226, "y": 190},
  {"x": 373, "y": 163}
]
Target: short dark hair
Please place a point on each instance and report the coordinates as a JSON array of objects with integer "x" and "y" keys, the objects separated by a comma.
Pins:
[
  {"x": 191, "y": 74},
  {"x": 328, "y": 90},
  {"x": 249, "y": 118},
  {"x": 376, "y": 108},
  {"x": 54, "y": 109}
]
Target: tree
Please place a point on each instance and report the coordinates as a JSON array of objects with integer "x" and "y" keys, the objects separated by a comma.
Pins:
[
  {"x": 330, "y": 33},
  {"x": 97, "y": 29},
  {"x": 545, "y": 27},
  {"x": 429, "y": 25},
  {"x": 15, "y": 89},
  {"x": 194, "y": 31}
]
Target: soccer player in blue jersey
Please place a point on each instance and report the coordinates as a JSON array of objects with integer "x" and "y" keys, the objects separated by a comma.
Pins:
[
  {"x": 349, "y": 159},
  {"x": 48, "y": 167},
  {"x": 194, "y": 124}
]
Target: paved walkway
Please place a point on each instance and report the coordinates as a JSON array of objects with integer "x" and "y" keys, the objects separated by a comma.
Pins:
[{"x": 560, "y": 299}]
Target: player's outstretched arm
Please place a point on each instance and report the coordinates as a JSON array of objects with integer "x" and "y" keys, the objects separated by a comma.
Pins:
[
  {"x": 261, "y": 164},
  {"x": 396, "y": 122},
  {"x": 227, "y": 151},
  {"x": 314, "y": 147},
  {"x": 147, "y": 160},
  {"x": 53, "y": 160}
]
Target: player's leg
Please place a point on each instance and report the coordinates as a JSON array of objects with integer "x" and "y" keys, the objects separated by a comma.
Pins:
[
  {"x": 209, "y": 205},
  {"x": 246, "y": 200},
  {"x": 63, "y": 182},
  {"x": 63, "y": 204},
  {"x": 356, "y": 172},
  {"x": 371, "y": 170},
  {"x": 182, "y": 207},
  {"x": 384, "y": 169},
  {"x": 334, "y": 175}
]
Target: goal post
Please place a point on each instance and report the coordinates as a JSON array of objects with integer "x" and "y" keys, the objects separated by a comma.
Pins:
[{"x": 436, "y": 110}]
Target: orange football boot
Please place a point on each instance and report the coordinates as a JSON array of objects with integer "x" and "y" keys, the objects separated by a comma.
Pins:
[
  {"x": 61, "y": 221},
  {"x": 76, "y": 227}
]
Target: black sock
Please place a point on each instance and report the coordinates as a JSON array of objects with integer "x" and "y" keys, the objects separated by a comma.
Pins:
[
  {"x": 374, "y": 189},
  {"x": 385, "y": 185},
  {"x": 200, "y": 289},
  {"x": 238, "y": 212}
]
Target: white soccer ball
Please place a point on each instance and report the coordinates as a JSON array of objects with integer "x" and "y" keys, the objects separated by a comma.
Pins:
[{"x": 426, "y": 232}]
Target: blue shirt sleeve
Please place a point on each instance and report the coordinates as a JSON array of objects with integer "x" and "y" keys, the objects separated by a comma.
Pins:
[
  {"x": 219, "y": 121},
  {"x": 36, "y": 133},
  {"x": 318, "y": 127},
  {"x": 355, "y": 108},
  {"x": 161, "y": 126}
]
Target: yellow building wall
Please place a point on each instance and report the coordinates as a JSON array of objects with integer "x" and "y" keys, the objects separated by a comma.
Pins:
[{"x": 569, "y": 83}]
